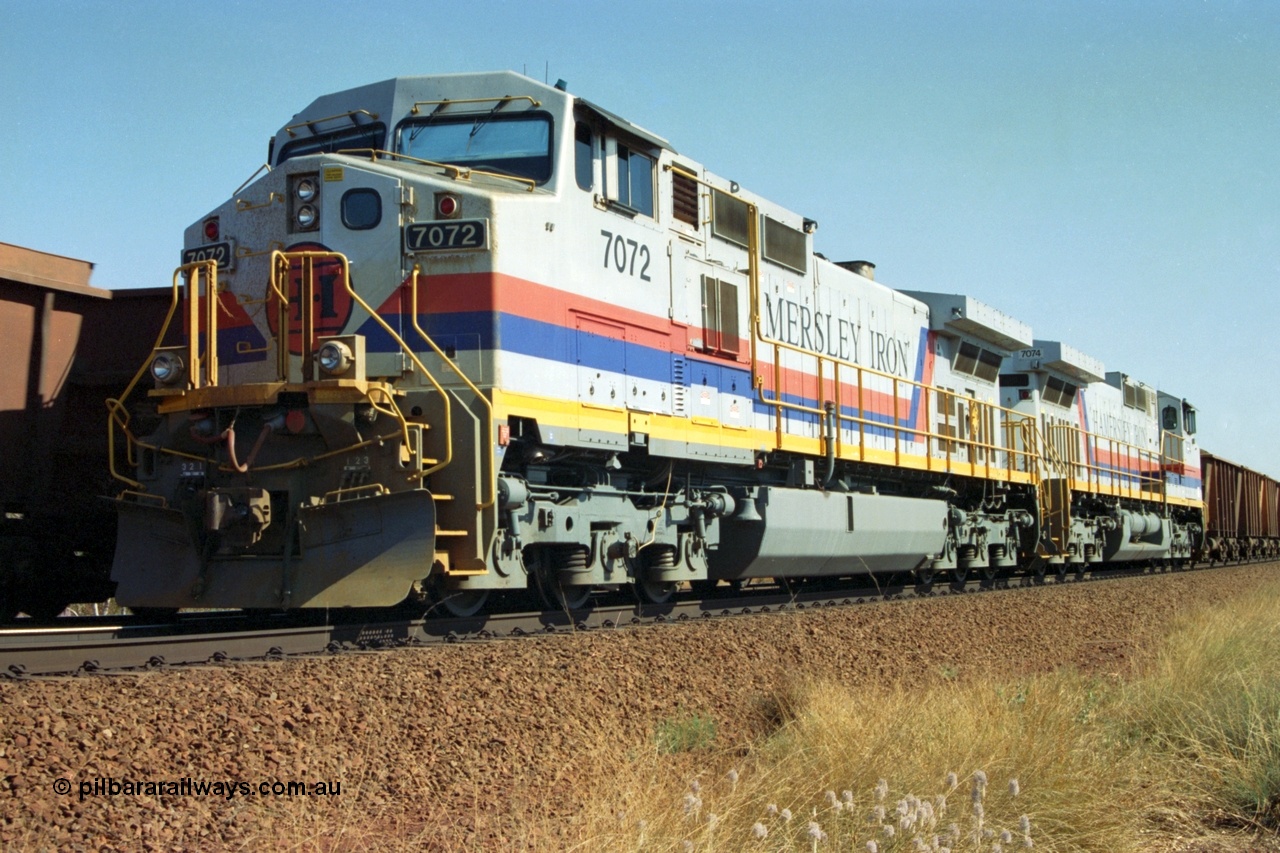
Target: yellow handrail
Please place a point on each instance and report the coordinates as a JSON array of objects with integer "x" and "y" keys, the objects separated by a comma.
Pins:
[
  {"x": 117, "y": 413},
  {"x": 492, "y": 480}
]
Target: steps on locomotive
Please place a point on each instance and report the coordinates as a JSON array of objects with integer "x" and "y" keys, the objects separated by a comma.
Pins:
[{"x": 462, "y": 529}]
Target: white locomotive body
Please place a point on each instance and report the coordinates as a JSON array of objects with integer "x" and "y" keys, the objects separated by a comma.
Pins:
[{"x": 472, "y": 333}]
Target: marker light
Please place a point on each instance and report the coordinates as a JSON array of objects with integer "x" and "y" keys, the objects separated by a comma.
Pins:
[
  {"x": 211, "y": 230},
  {"x": 447, "y": 206}
]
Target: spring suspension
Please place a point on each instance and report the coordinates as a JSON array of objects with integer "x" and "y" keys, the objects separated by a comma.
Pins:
[
  {"x": 572, "y": 558},
  {"x": 661, "y": 557}
]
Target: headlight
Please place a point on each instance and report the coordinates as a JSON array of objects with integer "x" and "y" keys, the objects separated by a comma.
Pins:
[
  {"x": 167, "y": 368},
  {"x": 306, "y": 216},
  {"x": 306, "y": 189},
  {"x": 335, "y": 358}
]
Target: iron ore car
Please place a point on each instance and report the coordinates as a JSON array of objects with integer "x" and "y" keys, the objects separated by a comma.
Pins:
[
  {"x": 1242, "y": 512},
  {"x": 66, "y": 347}
]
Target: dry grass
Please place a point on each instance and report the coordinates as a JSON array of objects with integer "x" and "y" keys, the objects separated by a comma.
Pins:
[{"x": 1187, "y": 746}]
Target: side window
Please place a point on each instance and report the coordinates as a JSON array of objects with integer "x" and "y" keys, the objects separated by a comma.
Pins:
[
  {"x": 583, "y": 154},
  {"x": 635, "y": 180},
  {"x": 719, "y": 316}
]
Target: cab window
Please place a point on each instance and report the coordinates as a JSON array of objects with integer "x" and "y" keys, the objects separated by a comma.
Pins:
[
  {"x": 635, "y": 180},
  {"x": 518, "y": 145}
]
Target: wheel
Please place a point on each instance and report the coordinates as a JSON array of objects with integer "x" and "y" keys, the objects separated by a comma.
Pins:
[
  {"x": 654, "y": 591},
  {"x": 542, "y": 565},
  {"x": 564, "y": 596},
  {"x": 959, "y": 575},
  {"x": 924, "y": 578},
  {"x": 464, "y": 602}
]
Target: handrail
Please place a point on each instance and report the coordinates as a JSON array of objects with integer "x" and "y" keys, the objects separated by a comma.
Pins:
[
  {"x": 977, "y": 409},
  {"x": 448, "y": 102},
  {"x": 118, "y": 415},
  {"x": 460, "y": 173},
  {"x": 282, "y": 262},
  {"x": 311, "y": 123},
  {"x": 1127, "y": 476},
  {"x": 492, "y": 480}
]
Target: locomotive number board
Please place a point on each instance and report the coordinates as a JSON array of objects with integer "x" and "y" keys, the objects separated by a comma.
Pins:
[
  {"x": 223, "y": 253},
  {"x": 450, "y": 235}
]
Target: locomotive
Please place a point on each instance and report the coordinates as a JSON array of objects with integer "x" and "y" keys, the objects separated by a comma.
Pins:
[{"x": 468, "y": 333}]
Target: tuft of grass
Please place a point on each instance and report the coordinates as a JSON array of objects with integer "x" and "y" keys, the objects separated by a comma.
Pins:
[
  {"x": 1208, "y": 710},
  {"x": 685, "y": 734}
]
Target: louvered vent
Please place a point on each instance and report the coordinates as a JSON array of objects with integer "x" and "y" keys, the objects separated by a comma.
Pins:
[{"x": 684, "y": 198}]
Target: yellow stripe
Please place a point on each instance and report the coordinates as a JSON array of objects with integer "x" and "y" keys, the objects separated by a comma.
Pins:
[{"x": 556, "y": 414}]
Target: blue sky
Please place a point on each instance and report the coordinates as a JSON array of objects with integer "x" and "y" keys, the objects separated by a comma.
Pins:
[{"x": 1108, "y": 172}]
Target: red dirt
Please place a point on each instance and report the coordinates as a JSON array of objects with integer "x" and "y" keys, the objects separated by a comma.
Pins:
[{"x": 495, "y": 745}]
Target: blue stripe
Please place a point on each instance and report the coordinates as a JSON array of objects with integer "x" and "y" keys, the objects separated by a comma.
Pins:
[{"x": 477, "y": 330}]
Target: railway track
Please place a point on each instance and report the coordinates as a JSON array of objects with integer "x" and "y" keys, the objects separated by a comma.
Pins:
[{"x": 130, "y": 644}]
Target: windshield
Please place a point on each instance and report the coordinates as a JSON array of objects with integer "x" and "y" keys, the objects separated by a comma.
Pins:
[
  {"x": 512, "y": 145},
  {"x": 369, "y": 136}
]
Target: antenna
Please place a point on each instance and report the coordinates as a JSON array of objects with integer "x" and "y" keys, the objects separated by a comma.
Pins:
[{"x": 546, "y": 74}]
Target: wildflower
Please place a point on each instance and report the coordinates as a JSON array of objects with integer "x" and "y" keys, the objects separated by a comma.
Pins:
[
  {"x": 786, "y": 815},
  {"x": 1006, "y": 837},
  {"x": 759, "y": 831},
  {"x": 952, "y": 781},
  {"x": 692, "y": 804},
  {"x": 815, "y": 831},
  {"x": 1024, "y": 824},
  {"x": 877, "y": 814},
  {"x": 1014, "y": 789},
  {"x": 846, "y": 797},
  {"x": 979, "y": 786},
  {"x": 713, "y": 820},
  {"x": 882, "y": 790},
  {"x": 695, "y": 786},
  {"x": 732, "y": 776},
  {"x": 872, "y": 848},
  {"x": 996, "y": 848},
  {"x": 889, "y": 831},
  {"x": 1027, "y": 842},
  {"x": 687, "y": 846},
  {"x": 831, "y": 799},
  {"x": 771, "y": 809},
  {"x": 979, "y": 812}
]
